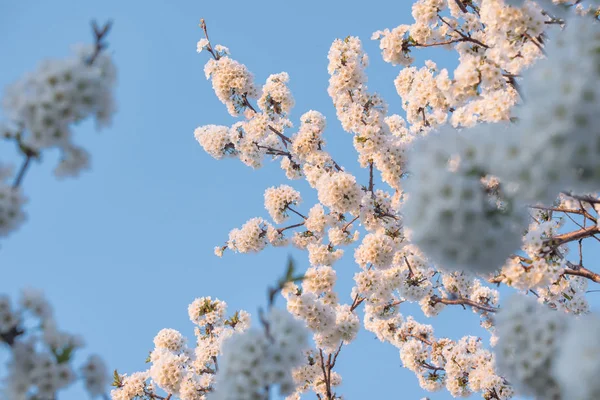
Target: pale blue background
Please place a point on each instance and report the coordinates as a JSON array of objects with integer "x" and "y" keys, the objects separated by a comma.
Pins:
[{"x": 123, "y": 250}]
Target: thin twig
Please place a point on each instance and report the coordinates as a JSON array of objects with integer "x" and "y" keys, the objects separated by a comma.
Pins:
[
  {"x": 463, "y": 302},
  {"x": 22, "y": 171},
  {"x": 295, "y": 212}
]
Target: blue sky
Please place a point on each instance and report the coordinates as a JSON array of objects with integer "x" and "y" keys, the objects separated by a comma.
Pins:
[{"x": 122, "y": 251}]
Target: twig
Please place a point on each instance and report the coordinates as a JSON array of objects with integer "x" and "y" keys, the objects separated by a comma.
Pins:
[
  {"x": 22, "y": 171},
  {"x": 572, "y": 236},
  {"x": 280, "y": 230},
  {"x": 371, "y": 183},
  {"x": 460, "y": 5},
  {"x": 100, "y": 34},
  {"x": 295, "y": 212},
  {"x": 463, "y": 302}
]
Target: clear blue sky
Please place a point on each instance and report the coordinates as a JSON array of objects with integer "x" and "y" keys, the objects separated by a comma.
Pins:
[{"x": 122, "y": 251}]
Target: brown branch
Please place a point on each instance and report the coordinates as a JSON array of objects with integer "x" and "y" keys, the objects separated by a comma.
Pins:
[
  {"x": 572, "y": 236},
  {"x": 273, "y": 151},
  {"x": 11, "y": 335},
  {"x": 295, "y": 212},
  {"x": 22, "y": 171},
  {"x": 558, "y": 209},
  {"x": 420, "y": 338},
  {"x": 325, "y": 377},
  {"x": 464, "y": 302},
  {"x": 357, "y": 302},
  {"x": 460, "y": 40},
  {"x": 283, "y": 138},
  {"x": 336, "y": 354},
  {"x": 371, "y": 183},
  {"x": 580, "y": 270},
  {"x": 209, "y": 47},
  {"x": 410, "y": 271},
  {"x": 280, "y": 230},
  {"x": 462, "y": 35},
  {"x": 350, "y": 223},
  {"x": 460, "y": 5},
  {"x": 100, "y": 34},
  {"x": 585, "y": 198}
]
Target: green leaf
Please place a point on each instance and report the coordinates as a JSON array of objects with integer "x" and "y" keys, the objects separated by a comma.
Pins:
[
  {"x": 290, "y": 270},
  {"x": 64, "y": 355},
  {"x": 117, "y": 382}
]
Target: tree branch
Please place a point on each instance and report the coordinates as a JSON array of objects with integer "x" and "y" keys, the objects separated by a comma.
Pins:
[
  {"x": 572, "y": 236},
  {"x": 22, "y": 171},
  {"x": 464, "y": 302}
]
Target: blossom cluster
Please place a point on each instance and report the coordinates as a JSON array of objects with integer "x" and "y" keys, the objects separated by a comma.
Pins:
[
  {"x": 12, "y": 201},
  {"x": 537, "y": 159},
  {"x": 43, "y": 105},
  {"x": 471, "y": 176},
  {"x": 40, "y": 361},
  {"x": 462, "y": 366},
  {"x": 41, "y": 109},
  {"x": 316, "y": 304},
  {"x": 180, "y": 370},
  {"x": 257, "y": 361},
  {"x": 546, "y": 354}
]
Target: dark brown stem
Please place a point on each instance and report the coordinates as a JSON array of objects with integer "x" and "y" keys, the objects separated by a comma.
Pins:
[
  {"x": 295, "y": 212},
  {"x": 410, "y": 271},
  {"x": 464, "y": 302},
  {"x": 460, "y": 5},
  {"x": 371, "y": 183},
  {"x": 572, "y": 236},
  {"x": 100, "y": 34},
  {"x": 580, "y": 270},
  {"x": 22, "y": 171},
  {"x": 326, "y": 376},
  {"x": 9, "y": 336},
  {"x": 350, "y": 223},
  {"x": 357, "y": 302},
  {"x": 563, "y": 210},
  {"x": 280, "y": 230},
  {"x": 465, "y": 37},
  {"x": 209, "y": 47}
]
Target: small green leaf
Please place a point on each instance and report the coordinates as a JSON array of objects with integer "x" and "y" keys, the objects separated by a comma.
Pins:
[{"x": 117, "y": 382}]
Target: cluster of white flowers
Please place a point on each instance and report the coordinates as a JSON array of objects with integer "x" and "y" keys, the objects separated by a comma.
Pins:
[
  {"x": 40, "y": 110},
  {"x": 232, "y": 82},
  {"x": 377, "y": 250},
  {"x": 559, "y": 153},
  {"x": 177, "y": 369},
  {"x": 40, "y": 361},
  {"x": 317, "y": 306},
  {"x": 276, "y": 97},
  {"x": 463, "y": 366},
  {"x": 215, "y": 140},
  {"x": 310, "y": 377},
  {"x": 43, "y": 105},
  {"x": 278, "y": 199},
  {"x": 363, "y": 113},
  {"x": 340, "y": 192},
  {"x": 464, "y": 204},
  {"x": 12, "y": 201},
  {"x": 256, "y": 361},
  {"x": 495, "y": 43},
  {"x": 252, "y": 236},
  {"x": 455, "y": 206},
  {"x": 545, "y": 354}
]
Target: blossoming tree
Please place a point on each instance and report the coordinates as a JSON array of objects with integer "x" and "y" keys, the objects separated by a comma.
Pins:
[
  {"x": 488, "y": 180},
  {"x": 478, "y": 180},
  {"x": 42, "y": 109}
]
